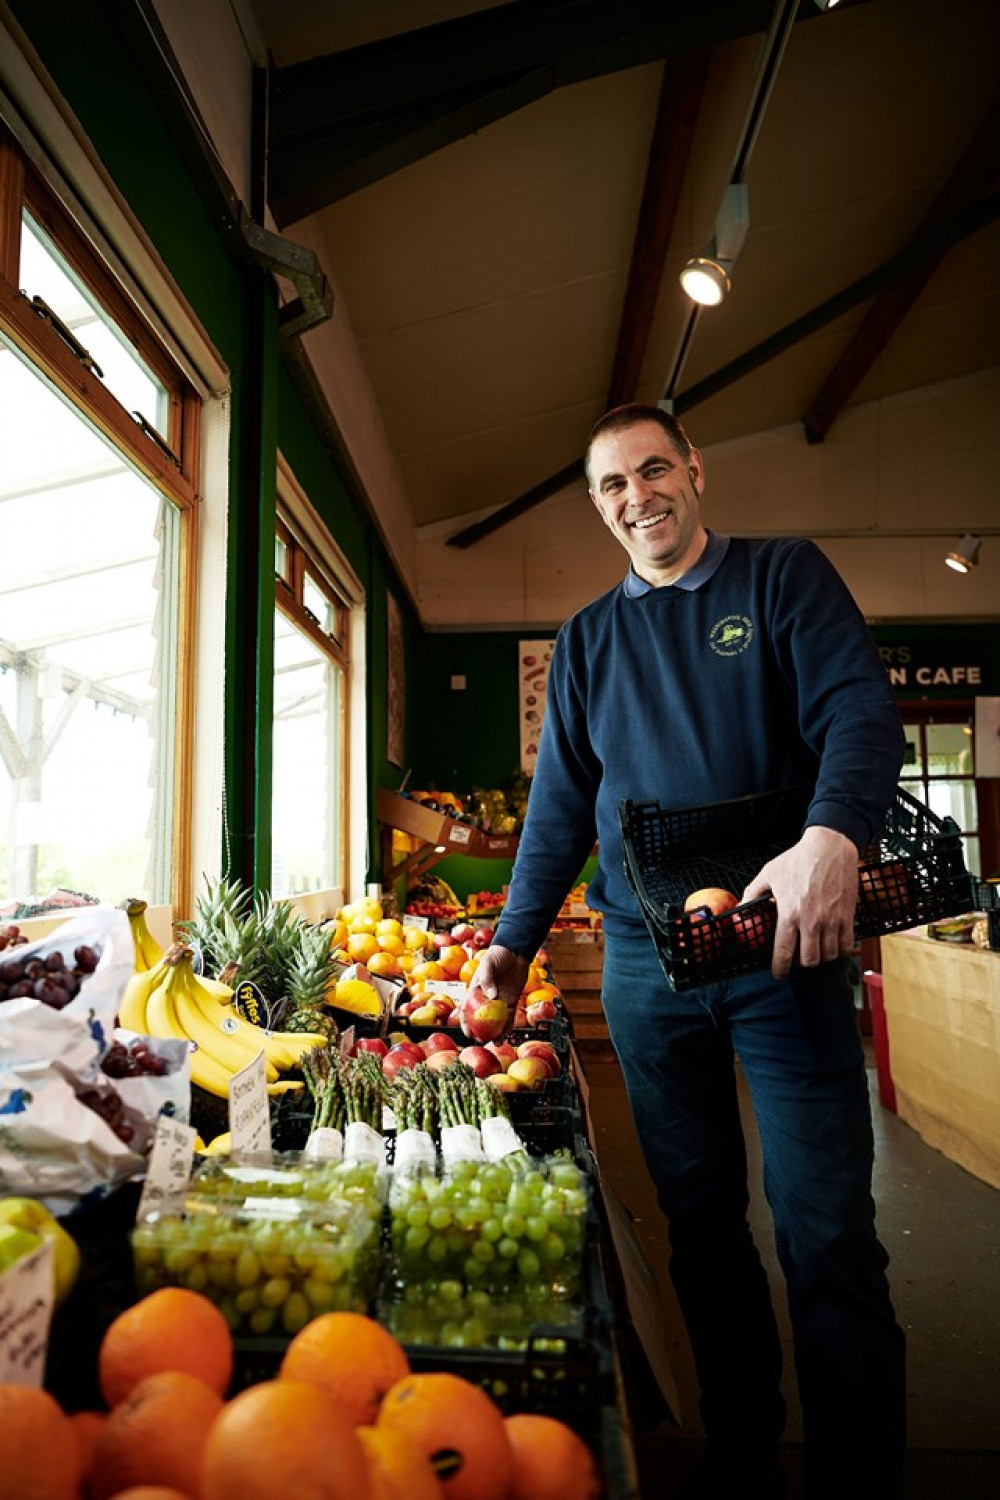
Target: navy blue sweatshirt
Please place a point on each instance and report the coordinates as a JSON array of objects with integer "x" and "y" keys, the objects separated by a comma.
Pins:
[{"x": 762, "y": 677}]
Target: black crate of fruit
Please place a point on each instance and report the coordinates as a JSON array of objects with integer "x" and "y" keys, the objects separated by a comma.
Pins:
[
  {"x": 912, "y": 873},
  {"x": 986, "y": 898},
  {"x": 556, "y": 1032}
]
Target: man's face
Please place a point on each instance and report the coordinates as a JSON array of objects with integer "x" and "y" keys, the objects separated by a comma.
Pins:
[{"x": 648, "y": 496}]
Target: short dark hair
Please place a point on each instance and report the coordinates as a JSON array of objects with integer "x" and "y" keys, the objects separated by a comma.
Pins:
[{"x": 621, "y": 417}]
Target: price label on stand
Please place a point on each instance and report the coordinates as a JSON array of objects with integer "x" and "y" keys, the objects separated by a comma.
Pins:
[
  {"x": 250, "y": 1108},
  {"x": 168, "y": 1170},
  {"x": 26, "y": 1294}
]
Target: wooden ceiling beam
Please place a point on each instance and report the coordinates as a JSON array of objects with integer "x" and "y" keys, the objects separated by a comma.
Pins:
[
  {"x": 975, "y": 176},
  {"x": 681, "y": 93},
  {"x": 341, "y": 122}
]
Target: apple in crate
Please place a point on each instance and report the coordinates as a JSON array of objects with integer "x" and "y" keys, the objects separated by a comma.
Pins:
[
  {"x": 539, "y": 1010},
  {"x": 438, "y": 1041},
  {"x": 710, "y": 901},
  {"x": 484, "y": 1019},
  {"x": 373, "y": 1044},
  {"x": 425, "y": 1015},
  {"x": 439, "y": 1061},
  {"x": 463, "y": 932},
  {"x": 531, "y": 1072},
  {"x": 482, "y": 1063},
  {"x": 543, "y": 1050},
  {"x": 402, "y": 1055},
  {"x": 504, "y": 1052},
  {"x": 506, "y": 1084}
]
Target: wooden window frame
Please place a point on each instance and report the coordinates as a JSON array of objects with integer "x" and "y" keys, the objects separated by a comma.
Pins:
[{"x": 21, "y": 188}]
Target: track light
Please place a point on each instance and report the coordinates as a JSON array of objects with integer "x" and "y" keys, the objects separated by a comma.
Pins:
[
  {"x": 705, "y": 278},
  {"x": 965, "y": 556},
  {"x": 825, "y": 4}
]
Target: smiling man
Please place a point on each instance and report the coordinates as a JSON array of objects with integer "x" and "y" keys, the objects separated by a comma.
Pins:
[{"x": 720, "y": 668}]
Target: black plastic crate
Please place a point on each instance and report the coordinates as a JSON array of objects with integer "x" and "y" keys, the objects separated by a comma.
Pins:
[{"x": 911, "y": 874}]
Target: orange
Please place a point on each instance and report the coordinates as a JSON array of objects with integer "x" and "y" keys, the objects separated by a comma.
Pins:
[
  {"x": 349, "y": 1356},
  {"x": 154, "y": 1436},
  {"x": 534, "y": 980},
  {"x": 86, "y": 1425},
  {"x": 384, "y": 963},
  {"x": 550, "y": 1461},
  {"x": 468, "y": 969},
  {"x": 430, "y": 969},
  {"x": 389, "y": 927},
  {"x": 283, "y": 1438},
  {"x": 390, "y": 942},
  {"x": 361, "y": 946},
  {"x": 337, "y": 931},
  {"x": 458, "y": 1428},
  {"x": 452, "y": 958},
  {"x": 544, "y": 992},
  {"x": 171, "y": 1329},
  {"x": 153, "y": 1492},
  {"x": 39, "y": 1457},
  {"x": 398, "y": 1468}
]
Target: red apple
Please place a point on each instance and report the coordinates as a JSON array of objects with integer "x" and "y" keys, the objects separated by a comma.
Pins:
[
  {"x": 425, "y": 1015},
  {"x": 505, "y": 1083},
  {"x": 438, "y": 1041},
  {"x": 403, "y": 1055},
  {"x": 482, "y": 1063},
  {"x": 750, "y": 927},
  {"x": 442, "y": 940},
  {"x": 529, "y": 1071},
  {"x": 482, "y": 1018},
  {"x": 545, "y": 1052},
  {"x": 712, "y": 897},
  {"x": 463, "y": 932},
  {"x": 504, "y": 1052},
  {"x": 373, "y": 1044},
  {"x": 442, "y": 1059},
  {"x": 482, "y": 937},
  {"x": 539, "y": 1010}
]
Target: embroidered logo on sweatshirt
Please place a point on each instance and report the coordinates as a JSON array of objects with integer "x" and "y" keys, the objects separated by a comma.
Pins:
[{"x": 731, "y": 635}]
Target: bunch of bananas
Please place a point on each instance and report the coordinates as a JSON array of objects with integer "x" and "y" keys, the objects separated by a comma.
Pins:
[
  {"x": 170, "y": 1000},
  {"x": 147, "y": 950}
]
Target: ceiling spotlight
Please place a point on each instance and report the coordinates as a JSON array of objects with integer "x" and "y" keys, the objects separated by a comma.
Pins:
[
  {"x": 825, "y": 4},
  {"x": 705, "y": 278},
  {"x": 965, "y": 555}
]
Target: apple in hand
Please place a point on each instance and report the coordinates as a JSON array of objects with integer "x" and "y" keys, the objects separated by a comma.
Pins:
[
  {"x": 482, "y": 1063},
  {"x": 483, "y": 1019},
  {"x": 710, "y": 901}
]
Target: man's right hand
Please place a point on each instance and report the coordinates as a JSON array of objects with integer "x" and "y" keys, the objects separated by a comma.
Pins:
[{"x": 501, "y": 972}]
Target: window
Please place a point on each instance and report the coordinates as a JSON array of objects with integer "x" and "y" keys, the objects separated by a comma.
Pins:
[
  {"x": 97, "y": 504},
  {"x": 940, "y": 769},
  {"x": 316, "y": 619}
]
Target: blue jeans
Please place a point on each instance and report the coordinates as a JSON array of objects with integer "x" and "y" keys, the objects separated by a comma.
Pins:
[{"x": 798, "y": 1044}]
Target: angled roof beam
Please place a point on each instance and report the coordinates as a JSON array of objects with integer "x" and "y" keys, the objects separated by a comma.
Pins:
[
  {"x": 975, "y": 174},
  {"x": 680, "y": 99},
  {"x": 341, "y": 122},
  {"x": 681, "y": 94},
  {"x": 974, "y": 217}
]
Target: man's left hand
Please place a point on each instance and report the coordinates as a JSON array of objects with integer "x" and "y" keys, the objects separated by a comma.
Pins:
[{"x": 815, "y": 888}]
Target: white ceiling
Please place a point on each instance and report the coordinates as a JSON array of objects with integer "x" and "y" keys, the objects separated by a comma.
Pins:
[{"x": 485, "y": 281}]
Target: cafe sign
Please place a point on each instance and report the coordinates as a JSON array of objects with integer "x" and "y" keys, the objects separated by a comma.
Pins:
[{"x": 921, "y": 668}]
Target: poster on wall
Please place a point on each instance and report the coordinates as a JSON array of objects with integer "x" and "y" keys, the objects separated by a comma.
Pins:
[
  {"x": 395, "y": 678},
  {"x": 533, "y": 660}
]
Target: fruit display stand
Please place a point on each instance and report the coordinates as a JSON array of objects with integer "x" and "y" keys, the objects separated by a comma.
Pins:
[{"x": 437, "y": 834}]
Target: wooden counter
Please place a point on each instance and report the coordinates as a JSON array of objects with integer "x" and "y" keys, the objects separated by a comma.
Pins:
[{"x": 942, "y": 1006}]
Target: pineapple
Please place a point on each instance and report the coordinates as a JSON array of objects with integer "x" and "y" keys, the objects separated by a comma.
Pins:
[{"x": 309, "y": 978}]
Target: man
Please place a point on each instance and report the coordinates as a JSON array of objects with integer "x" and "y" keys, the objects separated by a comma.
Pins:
[{"x": 721, "y": 668}]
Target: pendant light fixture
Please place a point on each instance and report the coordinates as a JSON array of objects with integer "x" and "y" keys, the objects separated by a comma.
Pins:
[
  {"x": 964, "y": 557},
  {"x": 706, "y": 278}
]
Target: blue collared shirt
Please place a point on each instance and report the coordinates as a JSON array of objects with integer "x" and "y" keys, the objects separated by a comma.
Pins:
[{"x": 715, "y": 550}]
